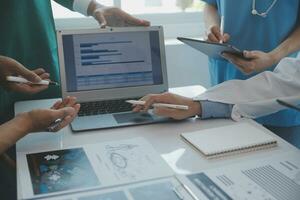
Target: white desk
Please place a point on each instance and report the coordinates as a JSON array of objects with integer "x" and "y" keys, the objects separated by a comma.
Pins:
[{"x": 164, "y": 137}]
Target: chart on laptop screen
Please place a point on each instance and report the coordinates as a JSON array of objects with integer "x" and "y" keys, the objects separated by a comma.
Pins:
[{"x": 111, "y": 60}]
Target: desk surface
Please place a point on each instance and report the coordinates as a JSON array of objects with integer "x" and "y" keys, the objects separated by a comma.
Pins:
[{"x": 164, "y": 137}]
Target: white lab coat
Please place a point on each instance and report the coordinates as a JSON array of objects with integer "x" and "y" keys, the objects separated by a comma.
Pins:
[{"x": 256, "y": 97}]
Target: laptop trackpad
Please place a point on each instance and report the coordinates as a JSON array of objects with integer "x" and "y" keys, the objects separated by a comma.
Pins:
[{"x": 125, "y": 118}]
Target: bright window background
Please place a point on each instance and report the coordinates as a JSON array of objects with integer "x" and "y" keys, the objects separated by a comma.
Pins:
[
  {"x": 139, "y": 7},
  {"x": 178, "y": 17},
  {"x": 161, "y": 6}
]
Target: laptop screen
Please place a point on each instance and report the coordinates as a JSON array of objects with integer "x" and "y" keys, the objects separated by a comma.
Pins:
[{"x": 112, "y": 60}]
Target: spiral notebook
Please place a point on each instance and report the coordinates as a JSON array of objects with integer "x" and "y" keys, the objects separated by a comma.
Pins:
[{"x": 226, "y": 140}]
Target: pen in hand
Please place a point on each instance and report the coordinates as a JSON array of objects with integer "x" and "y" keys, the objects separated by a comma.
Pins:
[
  {"x": 161, "y": 105},
  {"x": 54, "y": 125},
  {"x": 17, "y": 79},
  {"x": 222, "y": 29}
]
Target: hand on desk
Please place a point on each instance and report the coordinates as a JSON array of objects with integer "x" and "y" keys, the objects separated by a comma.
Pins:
[
  {"x": 258, "y": 61},
  {"x": 40, "y": 119},
  {"x": 37, "y": 120},
  {"x": 113, "y": 16},
  {"x": 9, "y": 66},
  {"x": 194, "y": 107}
]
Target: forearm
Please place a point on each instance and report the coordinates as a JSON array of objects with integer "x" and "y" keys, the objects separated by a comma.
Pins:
[
  {"x": 211, "y": 16},
  {"x": 250, "y": 99},
  {"x": 12, "y": 131},
  {"x": 288, "y": 46}
]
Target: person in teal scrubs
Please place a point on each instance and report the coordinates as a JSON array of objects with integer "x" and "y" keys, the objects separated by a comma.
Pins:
[
  {"x": 27, "y": 122},
  {"x": 267, "y": 30},
  {"x": 28, "y": 36}
]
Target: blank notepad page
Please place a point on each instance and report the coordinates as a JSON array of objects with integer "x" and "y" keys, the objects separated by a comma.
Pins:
[{"x": 238, "y": 137}]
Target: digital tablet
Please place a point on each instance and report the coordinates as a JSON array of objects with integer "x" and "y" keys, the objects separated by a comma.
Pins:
[{"x": 212, "y": 49}]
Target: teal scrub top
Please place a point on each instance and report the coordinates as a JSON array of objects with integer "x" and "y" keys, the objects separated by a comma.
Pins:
[
  {"x": 28, "y": 36},
  {"x": 252, "y": 32}
]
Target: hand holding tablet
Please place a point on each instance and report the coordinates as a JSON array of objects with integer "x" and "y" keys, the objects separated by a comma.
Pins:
[{"x": 212, "y": 49}]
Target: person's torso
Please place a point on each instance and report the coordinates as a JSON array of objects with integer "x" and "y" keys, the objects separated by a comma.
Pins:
[
  {"x": 28, "y": 36},
  {"x": 253, "y": 32}
]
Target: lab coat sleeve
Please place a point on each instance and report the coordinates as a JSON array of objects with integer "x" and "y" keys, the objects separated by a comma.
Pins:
[
  {"x": 81, "y": 6},
  {"x": 256, "y": 97}
]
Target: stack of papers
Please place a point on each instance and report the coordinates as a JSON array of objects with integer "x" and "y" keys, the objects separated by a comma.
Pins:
[{"x": 90, "y": 167}]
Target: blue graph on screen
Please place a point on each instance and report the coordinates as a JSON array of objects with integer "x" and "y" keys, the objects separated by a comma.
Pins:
[
  {"x": 92, "y": 56},
  {"x": 108, "y": 62}
]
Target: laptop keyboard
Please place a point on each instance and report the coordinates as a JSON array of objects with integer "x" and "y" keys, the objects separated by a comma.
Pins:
[{"x": 104, "y": 107}]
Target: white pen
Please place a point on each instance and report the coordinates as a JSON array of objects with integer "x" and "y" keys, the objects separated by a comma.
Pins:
[
  {"x": 54, "y": 125},
  {"x": 17, "y": 79},
  {"x": 222, "y": 28},
  {"x": 163, "y": 105}
]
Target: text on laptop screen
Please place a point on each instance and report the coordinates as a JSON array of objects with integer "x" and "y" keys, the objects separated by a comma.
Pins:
[{"x": 112, "y": 60}]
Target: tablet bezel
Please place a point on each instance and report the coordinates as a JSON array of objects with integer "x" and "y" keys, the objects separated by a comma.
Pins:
[{"x": 219, "y": 48}]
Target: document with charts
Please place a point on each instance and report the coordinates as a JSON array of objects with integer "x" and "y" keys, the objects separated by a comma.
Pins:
[
  {"x": 89, "y": 167},
  {"x": 272, "y": 178},
  {"x": 162, "y": 189}
]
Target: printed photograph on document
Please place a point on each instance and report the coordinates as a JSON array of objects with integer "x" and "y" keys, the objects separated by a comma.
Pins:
[
  {"x": 209, "y": 188},
  {"x": 62, "y": 170}
]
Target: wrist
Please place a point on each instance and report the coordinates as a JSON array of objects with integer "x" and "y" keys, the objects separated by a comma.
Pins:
[
  {"x": 276, "y": 55},
  {"x": 92, "y": 7},
  {"x": 274, "y": 58},
  {"x": 195, "y": 108},
  {"x": 26, "y": 123}
]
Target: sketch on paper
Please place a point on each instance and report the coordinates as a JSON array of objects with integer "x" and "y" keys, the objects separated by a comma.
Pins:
[{"x": 128, "y": 160}]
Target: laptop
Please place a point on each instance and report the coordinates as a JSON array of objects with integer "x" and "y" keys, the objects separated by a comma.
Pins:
[{"x": 105, "y": 67}]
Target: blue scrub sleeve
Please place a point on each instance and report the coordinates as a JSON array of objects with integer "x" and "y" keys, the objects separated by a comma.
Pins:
[{"x": 215, "y": 110}]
